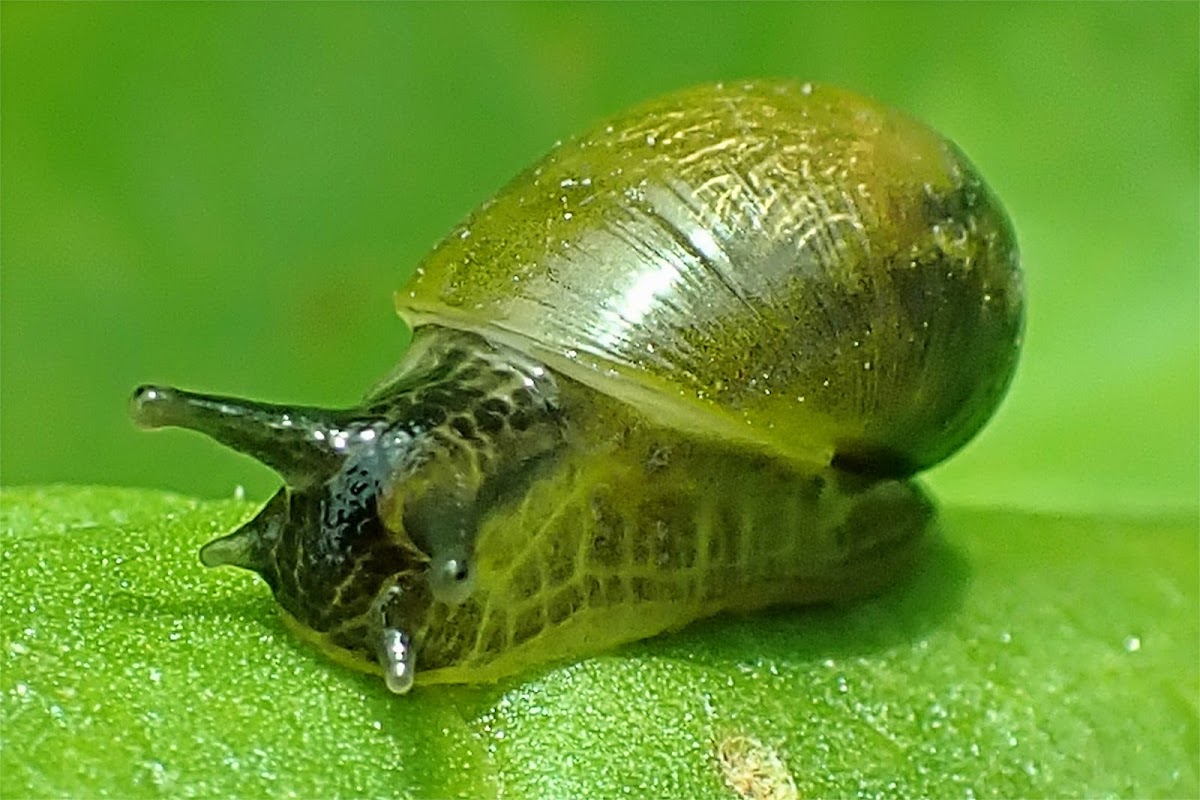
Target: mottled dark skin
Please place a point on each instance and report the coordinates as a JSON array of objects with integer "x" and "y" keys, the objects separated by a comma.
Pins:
[
  {"x": 389, "y": 493},
  {"x": 478, "y": 513}
]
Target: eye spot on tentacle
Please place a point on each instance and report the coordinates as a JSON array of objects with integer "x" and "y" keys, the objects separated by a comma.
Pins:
[{"x": 452, "y": 580}]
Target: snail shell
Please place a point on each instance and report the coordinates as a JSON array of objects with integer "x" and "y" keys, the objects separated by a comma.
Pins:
[{"x": 688, "y": 362}]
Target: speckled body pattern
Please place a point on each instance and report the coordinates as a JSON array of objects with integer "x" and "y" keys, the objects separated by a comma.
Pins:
[
  {"x": 640, "y": 529},
  {"x": 609, "y": 528},
  {"x": 687, "y": 363}
]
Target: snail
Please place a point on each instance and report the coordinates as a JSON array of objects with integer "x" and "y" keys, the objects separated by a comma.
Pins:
[{"x": 688, "y": 363}]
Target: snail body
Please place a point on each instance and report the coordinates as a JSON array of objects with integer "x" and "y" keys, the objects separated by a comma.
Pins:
[{"x": 689, "y": 362}]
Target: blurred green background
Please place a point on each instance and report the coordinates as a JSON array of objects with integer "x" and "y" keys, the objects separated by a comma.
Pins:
[{"x": 224, "y": 197}]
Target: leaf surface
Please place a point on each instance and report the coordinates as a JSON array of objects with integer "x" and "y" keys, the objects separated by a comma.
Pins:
[{"x": 1028, "y": 655}]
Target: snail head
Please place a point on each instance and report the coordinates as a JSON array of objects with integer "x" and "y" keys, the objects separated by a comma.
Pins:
[{"x": 323, "y": 543}]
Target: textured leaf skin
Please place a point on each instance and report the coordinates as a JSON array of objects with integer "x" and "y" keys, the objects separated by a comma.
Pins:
[{"x": 1030, "y": 655}]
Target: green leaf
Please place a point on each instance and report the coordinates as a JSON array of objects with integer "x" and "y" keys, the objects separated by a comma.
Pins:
[{"x": 1028, "y": 655}]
